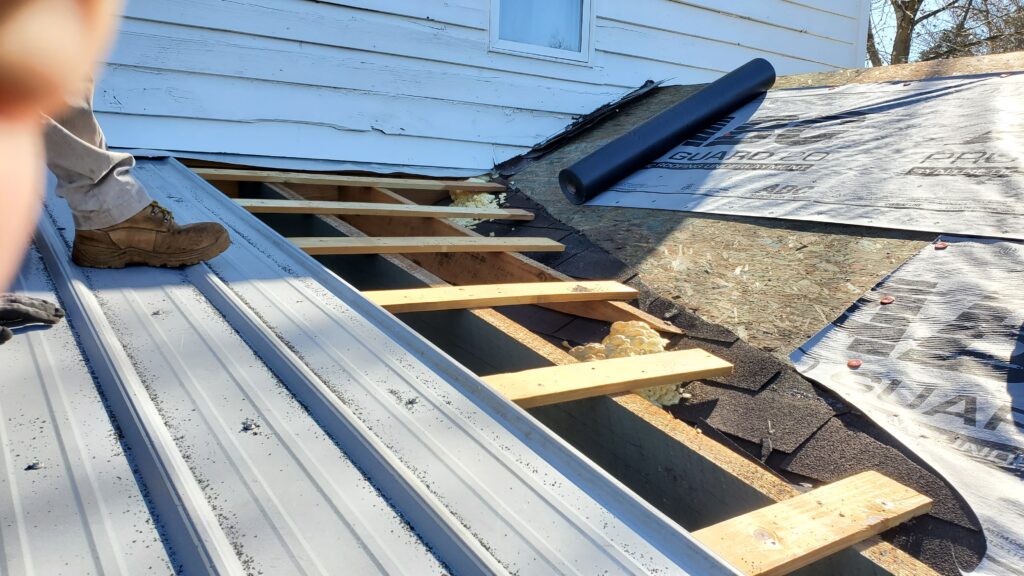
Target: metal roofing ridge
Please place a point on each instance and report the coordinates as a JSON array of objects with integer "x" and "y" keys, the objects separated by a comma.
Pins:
[
  {"x": 66, "y": 390},
  {"x": 284, "y": 494},
  {"x": 435, "y": 524},
  {"x": 198, "y": 542},
  {"x": 644, "y": 520},
  {"x": 455, "y": 543}
]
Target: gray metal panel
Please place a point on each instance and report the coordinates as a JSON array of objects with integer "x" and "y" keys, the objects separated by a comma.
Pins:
[
  {"x": 82, "y": 512},
  {"x": 484, "y": 465},
  {"x": 365, "y": 432},
  {"x": 285, "y": 499}
]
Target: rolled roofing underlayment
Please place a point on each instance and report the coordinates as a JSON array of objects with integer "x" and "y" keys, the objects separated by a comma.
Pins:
[
  {"x": 943, "y": 155},
  {"x": 935, "y": 355}
]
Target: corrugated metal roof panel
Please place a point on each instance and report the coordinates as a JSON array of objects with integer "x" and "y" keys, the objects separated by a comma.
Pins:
[
  {"x": 79, "y": 510},
  {"x": 361, "y": 423}
]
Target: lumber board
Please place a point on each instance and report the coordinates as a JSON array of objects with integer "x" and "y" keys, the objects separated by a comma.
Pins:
[
  {"x": 482, "y": 268},
  {"x": 793, "y": 533},
  {"x": 324, "y": 245},
  {"x": 215, "y": 174},
  {"x": 546, "y": 350},
  {"x": 489, "y": 295},
  {"x": 260, "y": 206},
  {"x": 554, "y": 384}
]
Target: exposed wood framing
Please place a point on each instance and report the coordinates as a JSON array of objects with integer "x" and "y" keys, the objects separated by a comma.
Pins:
[
  {"x": 377, "y": 209},
  {"x": 542, "y": 347},
  {"x": 215, "y": 174},
  {"x": 417, "y": 244},
  {"x": 488, "y": 295},
  {"x": 728, "y": 468},
  {"x": 477, "y": 268},
  {"x": 542, "y": 386},
  {"x": 650, "y": 417},
  {"x": 794, "y": 533}
]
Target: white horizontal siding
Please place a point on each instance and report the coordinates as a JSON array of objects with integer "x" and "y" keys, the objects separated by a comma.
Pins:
[{"x": 412, "y": 83}]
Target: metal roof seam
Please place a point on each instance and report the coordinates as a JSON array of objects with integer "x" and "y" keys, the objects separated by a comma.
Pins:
[
  {"x": 198, "y": 542},
  {"x": 433, "y": 522},
  {"x": 473, "y": 484},
  {"x": 667, "y": 537}
]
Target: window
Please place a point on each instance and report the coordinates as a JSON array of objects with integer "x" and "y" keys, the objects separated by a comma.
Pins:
[{"x": 556, "y": 29}]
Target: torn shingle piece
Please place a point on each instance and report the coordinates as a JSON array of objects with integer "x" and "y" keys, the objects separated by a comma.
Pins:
[
  {"x": 595, "y": 264},
  {"x": 775, "y": 418},
  {"x": 574, "y": 243},
  {"x": 939, "y": 544},
  {"x": 839, "y": 450},
  {"x": 541, "y": 217},
  {"x": 753, "y": 368},
  {"x": 536, "y": 318},
  {"x": 695, "y": 326},
  {"x": 748, "y": 450},
  {"x": 582, "y": 331}
]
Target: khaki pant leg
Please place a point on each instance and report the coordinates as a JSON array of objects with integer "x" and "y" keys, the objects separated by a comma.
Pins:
[{"x": 97, "y": 183}]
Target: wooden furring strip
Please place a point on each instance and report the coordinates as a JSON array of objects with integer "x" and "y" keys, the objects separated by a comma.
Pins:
[
  {"x": 214, "y": 174},
  {"x": 793, "y": 533},
  {"x": 326, "y": 245},
  {"x": 468, "y": 269},
  {"x": 488, "y": 295},
  {"x": 551, "y": 385},
  {"x": 258, "y": 206}
]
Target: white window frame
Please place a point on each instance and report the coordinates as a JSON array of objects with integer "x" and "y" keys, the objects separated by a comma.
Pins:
[{"x": 582, "y": 57}]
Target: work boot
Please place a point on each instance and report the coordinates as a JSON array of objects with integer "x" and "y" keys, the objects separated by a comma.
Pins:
[{"x": 151, "y": 238}]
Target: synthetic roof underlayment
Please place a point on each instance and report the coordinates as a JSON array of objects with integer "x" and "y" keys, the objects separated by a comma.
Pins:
[
  {"x": 261, "y": 416},
  {"x": 936, "y": 155}
]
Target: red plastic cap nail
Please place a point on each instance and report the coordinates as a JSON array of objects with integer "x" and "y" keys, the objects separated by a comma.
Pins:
[
  {"x": 941, "y": 245},
  {"x": 854, "y": 364},
  {"x": 887, "y": 299}
]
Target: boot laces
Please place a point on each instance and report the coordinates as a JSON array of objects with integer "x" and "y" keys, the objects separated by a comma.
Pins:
[{"x": 155, "y": 209}]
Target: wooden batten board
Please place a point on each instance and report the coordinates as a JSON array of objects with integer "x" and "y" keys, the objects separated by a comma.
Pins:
[
  {"x": 480, "y": 268},
  {"x": 489, "y": 295},
  {"x": 794, "y": 533},
  {"x": 215, "y": 174},
  {"x": 543, "y": 348},
  {"x": 542, "y": 386},
  {"x": 377, "y": 209},
  {"x": 419, "y": 244}
]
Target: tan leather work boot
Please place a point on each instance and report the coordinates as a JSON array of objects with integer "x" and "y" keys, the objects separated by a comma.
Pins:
[{"x": 151, "y": 238}]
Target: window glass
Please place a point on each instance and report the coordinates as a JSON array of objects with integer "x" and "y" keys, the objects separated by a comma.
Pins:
[{"x": 555, "y": 24}]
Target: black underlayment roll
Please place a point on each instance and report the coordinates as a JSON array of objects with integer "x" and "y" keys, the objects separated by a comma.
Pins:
[{"x": 628, "y": 153}]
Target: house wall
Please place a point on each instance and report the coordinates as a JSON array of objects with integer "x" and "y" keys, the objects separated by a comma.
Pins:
[{"x": 410, "y": 85}]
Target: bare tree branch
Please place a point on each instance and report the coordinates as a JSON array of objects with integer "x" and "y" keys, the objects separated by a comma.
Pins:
[
  {"x": 936, "y": 12},
  {"x": 873, "y": 55}
]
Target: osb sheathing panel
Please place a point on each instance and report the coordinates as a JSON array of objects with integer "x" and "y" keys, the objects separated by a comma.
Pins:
[{"x": 774, "y": 282}]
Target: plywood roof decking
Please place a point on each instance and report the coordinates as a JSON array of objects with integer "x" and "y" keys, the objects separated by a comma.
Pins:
[
  {"x": 773, "y": 282},
  {"x": 247, "y": 388}
]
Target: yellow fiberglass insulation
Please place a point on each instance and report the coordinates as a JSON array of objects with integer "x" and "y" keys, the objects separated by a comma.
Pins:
[
  {"x": 474, "y": 200},
  {"x": 634, "y": 338}
]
